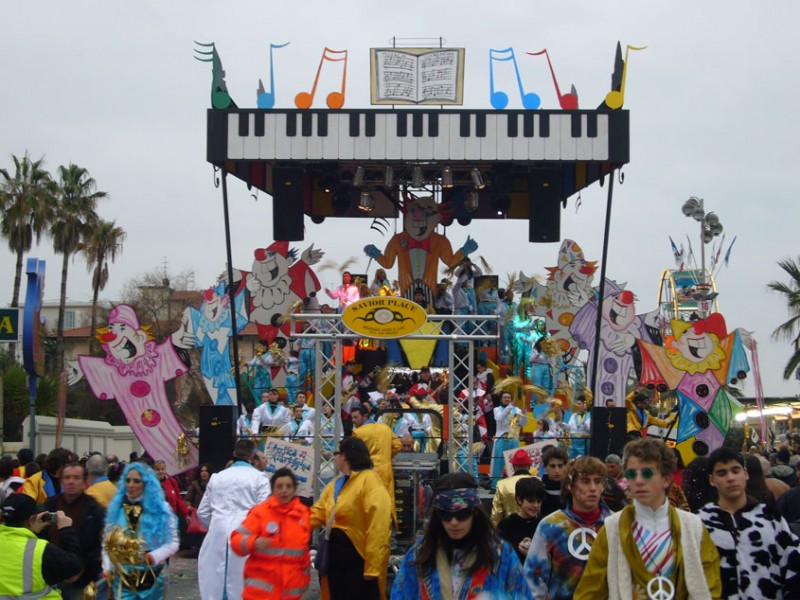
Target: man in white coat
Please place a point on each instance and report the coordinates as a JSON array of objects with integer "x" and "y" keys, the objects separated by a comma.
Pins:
[{"x": 229, "y": 496}]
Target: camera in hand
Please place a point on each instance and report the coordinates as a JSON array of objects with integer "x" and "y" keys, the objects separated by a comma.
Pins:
[{"x": 51, "y": 517}]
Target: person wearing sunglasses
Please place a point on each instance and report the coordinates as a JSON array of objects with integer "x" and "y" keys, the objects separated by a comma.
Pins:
[
  {"x": 561, "y": 543},
  {"x": 139, "y": 511},
  {"x": 651, "y": 548},
  {"x": 459, "y": 555}
]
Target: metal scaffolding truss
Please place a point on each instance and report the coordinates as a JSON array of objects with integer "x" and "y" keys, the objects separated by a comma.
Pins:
[{"x": 329, "y": 333}]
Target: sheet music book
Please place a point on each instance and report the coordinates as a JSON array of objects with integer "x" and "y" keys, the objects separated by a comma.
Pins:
[{"x": 417, "y": 75}]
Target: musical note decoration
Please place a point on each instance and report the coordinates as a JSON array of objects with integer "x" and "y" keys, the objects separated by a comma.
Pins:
[
  {"x": 616, "y": 97},
  {"x": 499, "y": 99},
  {"x": 566, "y": 101},
  {"x": 220, "y": 98},
  {"x": 266, "y": 99},
  {"x": 335, "y": 100}
]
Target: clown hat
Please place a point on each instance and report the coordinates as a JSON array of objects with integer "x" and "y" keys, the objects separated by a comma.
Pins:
[{"x": 124, "y": 314}]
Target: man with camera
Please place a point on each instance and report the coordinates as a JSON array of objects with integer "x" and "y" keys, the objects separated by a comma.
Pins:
[{"x": 29, "y": 566}]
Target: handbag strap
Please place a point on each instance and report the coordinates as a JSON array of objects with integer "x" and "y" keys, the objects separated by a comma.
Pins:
[{"x": 329, "y": 525}]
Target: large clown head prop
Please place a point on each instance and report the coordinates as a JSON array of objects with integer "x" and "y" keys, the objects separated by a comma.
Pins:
[
  {"x": 271, "y": 271},
  {"x": 421, "y": 217},
  {"x": 619, "y": 310},
  {"x": 123, "y": 339},
  {"x": 571, "y": 279},
  {"x": 215, "y": 301},
  {"x": 696, "y": 346}
]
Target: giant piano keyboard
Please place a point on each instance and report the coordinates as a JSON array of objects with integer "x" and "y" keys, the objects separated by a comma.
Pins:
[{"x": 418, "y": 135}]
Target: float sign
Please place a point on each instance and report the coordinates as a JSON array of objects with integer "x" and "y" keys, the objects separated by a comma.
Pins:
[
  {"x": 9, "y": 324},
  {"x": 384, "y": 317}
]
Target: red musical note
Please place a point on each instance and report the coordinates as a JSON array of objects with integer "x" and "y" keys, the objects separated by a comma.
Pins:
[
  {"x": 335, "y": 100},
  {"x": 614, "y": 99},
  {"x": 566, "y": 101}
]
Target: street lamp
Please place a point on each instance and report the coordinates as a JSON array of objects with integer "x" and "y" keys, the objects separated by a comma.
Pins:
[{"x": 710, "y": 227}]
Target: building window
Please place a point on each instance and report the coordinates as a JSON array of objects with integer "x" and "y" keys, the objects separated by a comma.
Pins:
[{"x": 69, "y": 319}]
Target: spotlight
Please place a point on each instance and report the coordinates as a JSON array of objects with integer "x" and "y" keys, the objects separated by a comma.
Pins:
[
  {"x": 477, "y": 179},
  {"x": 367, "y": 202},
  {"x": 358, "y": 177},
  {"x": 501, "y": 204},
  {"x": 388, "y": 177},
  {"x": 472, "y": 201},
  {"x": 416, "y": 177},
  {"x": 447, "y": 177}
]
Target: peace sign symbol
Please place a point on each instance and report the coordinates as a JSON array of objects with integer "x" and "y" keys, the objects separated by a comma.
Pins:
[
  {"x": 580, "y": 542},
  {"x": 660, "y": 588}
]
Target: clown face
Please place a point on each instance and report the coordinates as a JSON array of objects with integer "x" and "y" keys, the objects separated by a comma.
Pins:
[
  {"x": 695, "y": 347},
  {"x": 269, "y": 266},
  {"x": 212, "y": 305},
  {"x": 574, "y": 277},
  {"x": 124, "y": 343},
  {"x": 421, "y": 218},
  {"x": 619, "y": 311}
]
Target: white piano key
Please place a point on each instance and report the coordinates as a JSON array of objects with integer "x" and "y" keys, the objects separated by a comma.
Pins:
[
  {"x": 441, "y": 143},
  {"x": 235, "y": 142},
  {"x": 266, "y": 144},
  {"x": 472, "y": 144},
  {"x": 519, "y": 144},
  {"x": 568, "y": 143},
  {"x": 377, "y": 144},
  {"x": 552, "y": 143},
  {"x": 505, "y": 150},
  {"x": 408, "y": 144},
  {"x": 489, "y": 143},
  {"x": 425, "y": 143},
  {"x": 361, "y": 143},
  {"x": 394, "y": 148},
  {"x": 283, "y": 143},
  {"x": 583, "y": 148},
  {"x": 535, "y": 143},
  {"x": 330, "y": 143},
  {"x": 346, "y": 143},
  {"x": 458, "y": 144},
  {"x": 298, "y": 143},
  {"x": 314, "y": 143},
  {"x": 251, "y": 142},
  {"x": 600, "y": 143}
]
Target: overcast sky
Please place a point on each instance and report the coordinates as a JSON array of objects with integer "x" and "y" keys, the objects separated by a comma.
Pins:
[{"x": 114, "y": 87}]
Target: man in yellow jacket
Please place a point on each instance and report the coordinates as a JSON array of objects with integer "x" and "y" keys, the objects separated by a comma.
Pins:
[
  {"x": 30, "y": 567},
  {"x": 382, "y": 443},
  {"x": 47, "y": 482}
]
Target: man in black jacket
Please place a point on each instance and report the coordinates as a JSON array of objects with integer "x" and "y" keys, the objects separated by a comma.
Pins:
[
  {"x": 30, "y": 566},
  {"x": 88, "y": 518}
]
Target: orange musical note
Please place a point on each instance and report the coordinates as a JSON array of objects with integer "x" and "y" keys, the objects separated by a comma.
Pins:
[
  {"x": 335, "y": 100},
  {"x": 615, "y": 99},
  {"x": 566, "y": 101}
]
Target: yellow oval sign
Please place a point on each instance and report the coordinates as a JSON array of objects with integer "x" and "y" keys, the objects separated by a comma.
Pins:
[{"x": 384, "y": 317}]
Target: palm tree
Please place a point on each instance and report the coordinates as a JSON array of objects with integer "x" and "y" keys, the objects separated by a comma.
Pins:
[
  {"x": 74, "y": 218},
  {"x": 790, "y": 330},
  {"x": 101, "y": 247},
  {"x": 24, "y": 209}
]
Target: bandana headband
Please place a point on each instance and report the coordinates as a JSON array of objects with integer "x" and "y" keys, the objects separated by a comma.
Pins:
[{"x": 455, "y": 500}]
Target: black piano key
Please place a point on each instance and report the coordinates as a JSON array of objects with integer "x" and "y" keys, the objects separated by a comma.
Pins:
[
  {"x": 463, "y": 125},
  {"x": 291, "y": 125},
  {"x": 544, "y": 125},
  {"x": 480, "y": 125},
  {"x": 416, "y": 124},
  {"x": 513, "y": 126},
  {"x": 305, "y": 124},
  {"x": 433, "y": 124},
  {"x": 244, "y": 124},
  {"x": 259, "y": 128},
  {"x": 591, "y": 125},
  {"x": 527, "y": 124},
  {"x": 355, "y": 126},
  {"x": 322, "y": 124},
  {"x": 402, "y": 124},
  {"x": 576, "y": 125},
  {"x": 369, "y": 124}
]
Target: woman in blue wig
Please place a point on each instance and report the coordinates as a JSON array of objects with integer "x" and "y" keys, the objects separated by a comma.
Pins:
[{"x": 141, "y": 534}]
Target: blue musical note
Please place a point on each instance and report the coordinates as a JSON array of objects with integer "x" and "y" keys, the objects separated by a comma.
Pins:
[
  {"x": 499, "y": 100},
  {"x": 267, "y": 99}
]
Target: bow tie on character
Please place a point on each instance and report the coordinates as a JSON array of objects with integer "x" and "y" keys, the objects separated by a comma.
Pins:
[{"x": 421, "y": 244}]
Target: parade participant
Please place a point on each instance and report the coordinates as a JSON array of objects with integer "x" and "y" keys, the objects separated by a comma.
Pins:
[
  {"x": 381, "y": 286},
  {"x": 541, "y": 366},
  {"x": 459, "y": 556},
  {"x": 346, "y": 294},
  {"x": 244, "y": 422},
  {"x": 639, "y": 418},
  {"x": 99, "y": 486},
  {"x": 229, "y": 495},
  {"x": 758, "y": 552},
  {"x": 298, "y": 430},
  {"x": 649, "y": 547},
  {"x": 579, "y": 427},
  {"x": 427, "y": 400},
  {"x": 555, "y": 461},
  {"x": 327, "y": 428},
  {"x": 88, "y": 518},
  {"x": 506, "y": 311},
  {"x": 382, "y": 444},
  {"x": 271, "y": 416},
  {"x": 302, "y": 401},
  {"x": 518, "y": 528},
  {"x": 558, "y": 427},
  {"x": 356, "y": 507},
  {"x": 172, "y": 491},
  {"x": 509, "y": 419},
  {"x": 139, "y": 512},
  {"x": 30, "y": 566},
  {"x": 542, "y": 430},
  {"x": 562, "y": 541},
  {"x": 504, "y": 503},
  {"x": 274, "y": 537},
  {"x": 523, "y": 324},
  {"x": 46, "y": 483}
]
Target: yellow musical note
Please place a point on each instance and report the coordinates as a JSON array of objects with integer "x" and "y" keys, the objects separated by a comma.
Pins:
[
  {"x": 614, "y": 99},
  {"x": 335, "y": 100}
]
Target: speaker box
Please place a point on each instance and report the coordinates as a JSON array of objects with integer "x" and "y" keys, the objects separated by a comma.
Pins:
[
  {"x": 608, "y": 431},
  {"x": 217, "y": 434},
  {"x": 544, "y": 205},
  {"x": 288, "y": 195}
]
